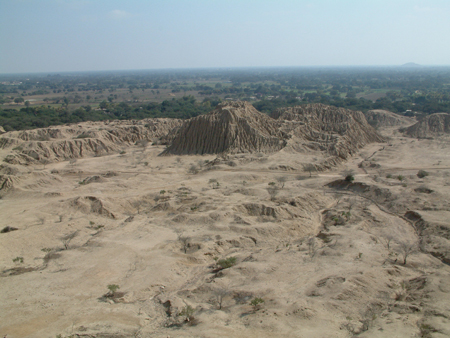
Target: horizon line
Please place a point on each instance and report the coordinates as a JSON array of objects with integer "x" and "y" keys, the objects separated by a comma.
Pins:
[{"x": 410, "y": 65}]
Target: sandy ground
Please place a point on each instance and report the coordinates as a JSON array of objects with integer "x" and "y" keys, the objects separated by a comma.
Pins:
[{"x": 326, "y": 262}]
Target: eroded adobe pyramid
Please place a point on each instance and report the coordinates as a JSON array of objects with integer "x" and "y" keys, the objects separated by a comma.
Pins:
[{"x": 233, "y": 127}]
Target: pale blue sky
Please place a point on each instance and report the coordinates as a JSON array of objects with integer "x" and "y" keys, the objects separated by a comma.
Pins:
[{"x": 84, "y": 35}]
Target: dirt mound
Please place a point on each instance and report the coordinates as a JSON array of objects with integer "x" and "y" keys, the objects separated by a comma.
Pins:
[
  {"x": 233, "y": 127},
  {"x": 91, "y": 204},
  {"x": 85, "y": 139},
  {"x": 385, "y": 118},
  {"x": 430, "y": 126},
  {"x": 93, "y": 179},
  {"x": 339, "y": 132}
]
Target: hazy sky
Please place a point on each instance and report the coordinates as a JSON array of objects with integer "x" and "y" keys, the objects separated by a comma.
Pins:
[{"x": 80, "y": 35}]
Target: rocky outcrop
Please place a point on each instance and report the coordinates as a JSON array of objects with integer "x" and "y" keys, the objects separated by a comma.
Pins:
[
  {"x": 337, "y": 131},
  {"x": 430, "y": 126},
  {"x": 2, "y": 131},
  {"x": 384, "y": 118},
  {"x": 85, "y": 139},
  {"x": 233, "y": 127}
]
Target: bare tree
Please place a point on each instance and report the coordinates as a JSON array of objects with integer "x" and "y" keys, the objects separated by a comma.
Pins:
[
  {"x": 44, "y": 161},
  {"x": 220, "y": 295},
  {"x": 407, "y": 248},
  {"x": 184, "y": 241},
  {"x": 273, "y": 192},
  {"x": 313, "y": 247},
  {"x": 281, "y": 180},
  {"x": 388, "y": 238},
  {"x": 143, "y": 144},
  {"x": 309, "y": 167}
]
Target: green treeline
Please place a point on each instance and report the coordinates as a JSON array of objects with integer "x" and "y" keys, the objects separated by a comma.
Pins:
[{"x": 44, "y": 116}]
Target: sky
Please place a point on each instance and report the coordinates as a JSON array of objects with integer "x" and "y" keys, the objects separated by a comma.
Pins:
[{"x": 93, "y": 35}]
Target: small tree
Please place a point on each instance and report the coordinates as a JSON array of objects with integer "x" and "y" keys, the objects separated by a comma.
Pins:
[
  {"x": 188, "y": 313},
  {"x": 220, "y": 295},
  {"x": 256, "y": 303},
  {"x": 309, "y": 167},
  {"x": 273, "y": 192},
  {"x": 112, "y": 290},
  {"x": 44, "y": 162},
  {"x": 282, "y": 180},
  {"x": 312, "y": 247},
  {"x": 193, "y": 169},
  {"x": 349, "y": 175},
  {"x": 407, "y": 248},
  {"x": 185, "y": 242}
]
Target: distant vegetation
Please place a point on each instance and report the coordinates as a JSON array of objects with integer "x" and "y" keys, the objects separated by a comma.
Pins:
[{"x": 40, "y": 100}]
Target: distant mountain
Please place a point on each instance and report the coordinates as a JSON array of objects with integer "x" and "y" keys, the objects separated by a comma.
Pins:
[{"x": 411, "y": 64}]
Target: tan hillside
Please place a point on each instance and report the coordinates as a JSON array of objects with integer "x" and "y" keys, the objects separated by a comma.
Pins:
[
  {"x": 384, "y": 118},
  {"x": 59, "y": 143},
  {"x": 337, "y": 132},
  {"x": 430, "y": 126},
  {"x": 233, "y": 127}
]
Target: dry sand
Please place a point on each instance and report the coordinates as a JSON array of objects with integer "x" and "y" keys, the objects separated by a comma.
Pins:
[{"x": 327, "y": 261}]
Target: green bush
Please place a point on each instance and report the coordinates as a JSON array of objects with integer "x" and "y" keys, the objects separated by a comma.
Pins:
[
  {"x": 227, "y": 262},
  {"x": 256, "y": 302},
  {"x": 18, "y": 260},
  {"x": 113, "y": 288},
  {"x": 350, "y": 178},
  {"x": 422, "y": 174}
]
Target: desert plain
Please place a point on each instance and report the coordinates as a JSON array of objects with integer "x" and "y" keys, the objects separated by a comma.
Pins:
[{"x": 136, "y": 237}]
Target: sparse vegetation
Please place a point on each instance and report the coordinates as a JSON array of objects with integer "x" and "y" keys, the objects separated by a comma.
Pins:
[
  {"x": 227, "y": 262},
  {"x": 188, "y": 313},
  {"x": 220, "y": 295},
  {"x": 185, "y": 242},
  {"x": 273, "y": 192},
  {"x": 310, "y": 168},
  {"x": 422, "y": 174},
  {"x": 18, "y": 260},
  {"x": 349, "y": 175},
  {"x": 313, "y": 247},
  {"x": 407, "y": 248},
  {"x": 256, "y": 303},
  {"x": 113, "y": 288},
  {"x": 281, "y": 181},
  {"x": 193, "y": 169}
]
